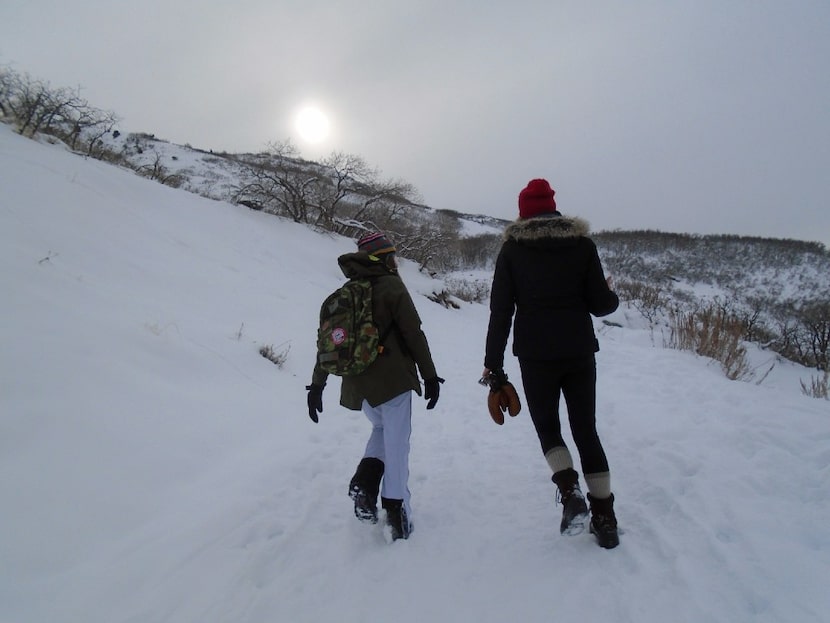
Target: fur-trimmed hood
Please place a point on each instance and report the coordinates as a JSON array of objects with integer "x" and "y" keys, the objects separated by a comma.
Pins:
[
  {"x": 547, "y": 283},
  {"x": 547, "y": 227}
]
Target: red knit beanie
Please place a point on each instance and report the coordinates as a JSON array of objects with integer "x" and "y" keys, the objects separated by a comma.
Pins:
[{"x": 536, "y": 198}]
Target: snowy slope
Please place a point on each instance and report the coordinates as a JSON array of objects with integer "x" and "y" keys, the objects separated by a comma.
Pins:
[{"x": 153, "y": 467}]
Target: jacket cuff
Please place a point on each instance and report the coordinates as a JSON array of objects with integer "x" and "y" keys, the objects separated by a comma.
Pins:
[{"x": 319, "y": 377}]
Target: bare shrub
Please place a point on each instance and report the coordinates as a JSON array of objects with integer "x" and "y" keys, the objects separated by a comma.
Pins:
[
  {"x": 478, "y": 251},
  {"x": 277, "y": 356},
  {"x": 160, "y": 173},
  {"x": 443, "y": 298},
  {"x": 645, "y": 298},
  {"x": 819, "y": 386},
  {"x": 476, "y": 291},
  {"x": 802, "y": 333},
  {"x": 112, "y": 156},
  {"x": 711, "y": 333}
]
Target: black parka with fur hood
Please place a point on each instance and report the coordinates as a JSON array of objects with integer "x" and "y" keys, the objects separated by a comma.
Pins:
[{"x": 549, "y": 274}]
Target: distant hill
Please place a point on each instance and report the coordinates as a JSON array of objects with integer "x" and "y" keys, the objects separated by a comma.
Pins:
[
  {"x": 779, "y": 290},
  {"x": 733, "y": 266},
  {"x": 776, "y": 291}
]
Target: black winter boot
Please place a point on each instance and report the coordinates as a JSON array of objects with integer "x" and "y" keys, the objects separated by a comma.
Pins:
[
  {"x": 574, "y": 509},
  {"x": 396, "y": 518},
  {"x": 364, "y": 488},
  {"x": 604, "y": 521}
]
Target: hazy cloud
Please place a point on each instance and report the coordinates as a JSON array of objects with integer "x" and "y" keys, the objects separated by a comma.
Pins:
[{"x": 706, "y": 116}]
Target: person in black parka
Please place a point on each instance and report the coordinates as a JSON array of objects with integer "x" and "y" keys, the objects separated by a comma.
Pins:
[{"x": 548, "y": 273}]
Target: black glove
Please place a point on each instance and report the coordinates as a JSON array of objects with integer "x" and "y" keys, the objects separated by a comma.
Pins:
[
  {"x": 315, "y": 400},
  {"x": 496, "y": 379},
  {"x": 432, "y": 388}
]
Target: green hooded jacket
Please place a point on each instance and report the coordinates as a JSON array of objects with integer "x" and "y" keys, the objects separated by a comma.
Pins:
[{"x": 393, "y": 372}]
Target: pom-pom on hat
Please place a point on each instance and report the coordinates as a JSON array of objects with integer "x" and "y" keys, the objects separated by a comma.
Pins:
[
  {"x": 536, "y": 198},
  {"x": 375, "y": 244}
]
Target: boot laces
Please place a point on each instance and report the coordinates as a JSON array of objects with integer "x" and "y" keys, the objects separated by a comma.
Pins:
[{"x": 565, "y": 494}]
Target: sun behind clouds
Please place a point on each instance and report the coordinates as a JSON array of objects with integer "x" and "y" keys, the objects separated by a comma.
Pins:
[{"x": 312, "y": 124}]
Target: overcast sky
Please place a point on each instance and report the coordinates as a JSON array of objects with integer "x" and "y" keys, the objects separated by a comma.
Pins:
[{"x": 702, "y": 116}]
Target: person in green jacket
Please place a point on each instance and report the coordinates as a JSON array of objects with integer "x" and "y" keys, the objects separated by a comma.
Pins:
[{"x": 384, "y": 390}]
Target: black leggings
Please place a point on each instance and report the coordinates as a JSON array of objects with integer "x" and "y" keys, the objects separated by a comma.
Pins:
[{"x": 575, "y": 379}]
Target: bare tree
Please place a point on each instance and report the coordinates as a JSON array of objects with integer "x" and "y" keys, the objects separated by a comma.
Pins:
[
  {"x": 814, "y": 318},
  {"x": 27, "y": 102},
  {"x": 432, "y": 243},
  {"x": 95, "y": 125},
  {"x": 157, "y": 171},
  {"x": 752, "y": 319},
  {"x": 7, "y": 81},
  {"x": 278, "y": 181},
  {"x": 385, "y": 202},
  {"x": 37, "y": 107},
  {"x": 348, "y": 175}
]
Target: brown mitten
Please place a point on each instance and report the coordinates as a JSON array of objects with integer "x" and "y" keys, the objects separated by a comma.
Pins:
[
  {"x": 494, "y": 406},
  {"x": 503, "y": 399},
  {"x": 511, "y": 399}
]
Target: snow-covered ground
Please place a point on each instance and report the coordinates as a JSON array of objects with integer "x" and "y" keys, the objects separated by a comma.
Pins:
[{"x": 154, "y": 467}]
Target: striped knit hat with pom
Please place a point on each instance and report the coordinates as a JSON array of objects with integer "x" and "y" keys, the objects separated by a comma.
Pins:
[{"x": 375, "y": 244}]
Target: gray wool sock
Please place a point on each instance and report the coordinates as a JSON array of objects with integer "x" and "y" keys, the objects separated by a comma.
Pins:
[
  {"x": 599, "y": 484},
  {"x": 559, "y": 458}
]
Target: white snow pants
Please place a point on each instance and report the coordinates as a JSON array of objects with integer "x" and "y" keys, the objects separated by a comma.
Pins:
[{"x": 389, "y": 442}]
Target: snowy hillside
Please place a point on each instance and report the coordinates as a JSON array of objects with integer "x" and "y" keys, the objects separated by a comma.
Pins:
[
  {"x": 221, "y": 175},
  {"x": 155, "y": 468}
]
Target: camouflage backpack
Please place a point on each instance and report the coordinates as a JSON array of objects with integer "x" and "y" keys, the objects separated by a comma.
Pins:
[{"x": 348, "y": 340}]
